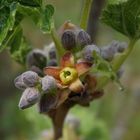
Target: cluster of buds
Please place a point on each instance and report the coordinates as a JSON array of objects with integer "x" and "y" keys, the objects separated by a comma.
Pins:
[
  {"x": 33, "y": 87},
  {"x": 28, "y": 82},
  {"x": 50, "y": 84}
]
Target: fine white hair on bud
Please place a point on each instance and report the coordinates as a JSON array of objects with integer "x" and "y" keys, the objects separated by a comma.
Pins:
[
  {"x": 88, "y": 52},
  {"x": 19, "y": 83},
  {"x": 36, "y": 58},
  {"x": 29, "y": 97},
  {"x": 30, "y": 78},
  {"x": 48, "y": 84},
  {"x": 83, "y": 38},
  {"x": 68, "y": 39}
]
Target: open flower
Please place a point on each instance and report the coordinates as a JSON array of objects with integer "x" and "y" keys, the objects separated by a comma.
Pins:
[{"x": 68, "y": 74}]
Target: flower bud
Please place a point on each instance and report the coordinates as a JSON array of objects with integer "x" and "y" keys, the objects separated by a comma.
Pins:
[
  {"x": 36, "y": 58},
  {"x": 83, "y": 38},
  {"x": 122, "y": 46},
  {"x": 30, "y": 78},
  {"x": 88, "y": 52},
  {"x": 52, "y": 53},
  {"x": 19, "y": 83},
  {"x": 67, "y": 26},
  {"x": 68, "y": 39},
  {"x": 52, "y": 62},
  {"x": 48, "y": 84},
  {"x": 108, "y": 53},
  {"x": 47, "y": 102},
  {"x": 29, "y": 97},
  {"x": 37, "y": 70}
]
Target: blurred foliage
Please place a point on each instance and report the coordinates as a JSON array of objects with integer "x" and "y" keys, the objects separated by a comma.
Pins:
[{"x": 114, "y": 117}]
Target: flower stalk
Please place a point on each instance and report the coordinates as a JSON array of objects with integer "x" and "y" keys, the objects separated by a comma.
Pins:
[
  {"x": 59, "y": 48},
  {"x": 116, "y": 64},
  {"x": 85, "y": 14}
]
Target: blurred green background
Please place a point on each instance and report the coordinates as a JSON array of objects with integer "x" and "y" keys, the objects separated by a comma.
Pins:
[{"x": 116, "y": 116}]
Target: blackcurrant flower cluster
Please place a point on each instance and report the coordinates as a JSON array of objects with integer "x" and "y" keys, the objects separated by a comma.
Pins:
[{"x": 52, "y": 81}]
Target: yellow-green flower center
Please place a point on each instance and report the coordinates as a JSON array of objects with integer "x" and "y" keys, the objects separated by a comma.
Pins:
[{"x": 68, "y": 75}]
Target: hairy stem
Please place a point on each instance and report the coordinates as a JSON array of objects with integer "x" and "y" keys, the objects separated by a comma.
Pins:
[{"x": 85, "y": 14}]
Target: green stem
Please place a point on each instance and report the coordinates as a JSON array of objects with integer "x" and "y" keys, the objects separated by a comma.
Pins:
[
  {"x": 85, "y": 14},
  {"x": 118, "y": 61},
  {"x": 116, "y": 64},
  {"x": 59, "y": 48}
]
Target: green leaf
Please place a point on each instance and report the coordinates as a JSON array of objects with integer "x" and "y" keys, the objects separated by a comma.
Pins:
[
  {"x": 7, "y": 19},
  {"x": 31, "y": 3},
  {"x": 34, "y": 3},
  {"x": 17, "y": 45},
  {"x": 20, "y": 54},
  {"x": 15, "y": 40},
  {"x": 26, "y": 11},
  {"x": 47, "y": 21},
  {"x": 124, "y": 17}
]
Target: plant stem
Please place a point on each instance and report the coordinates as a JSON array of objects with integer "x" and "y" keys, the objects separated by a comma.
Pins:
[
  {"x": 93, "y": 20},
  {"x": 59, "y": 48},
  {"x": 118, "y": 61},
  {"x": 116, "y": 64},
  {"x": 85, "y": 14}
]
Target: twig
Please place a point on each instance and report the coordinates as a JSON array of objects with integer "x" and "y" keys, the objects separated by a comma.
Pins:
[{"x": 93, "y": 21}]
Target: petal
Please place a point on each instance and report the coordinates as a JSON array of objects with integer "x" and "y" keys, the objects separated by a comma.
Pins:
[
  {"x": 52, "y": 71},
  {"x": 83, "y": 67},
  {"x": 76, "y": 86},
  {"x": 67, "y": 60},
  {"x": 60, "y": 85}
]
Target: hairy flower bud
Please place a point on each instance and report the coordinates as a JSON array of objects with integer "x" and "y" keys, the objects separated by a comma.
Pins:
[
  {"x": 122, "y": 46},
  {"x": 68, "y": 39},
  {"x": 108, "y": 53},
  {"x": 52, "y": 62},
  {"x": 36, "y": 58},
  {"x": 19, "y": 83},
  {"x": 83, "y": 38},
  {"x": 66, "y": 26},
  {"x": 52, "y": 53},
  {"x": 30, "y": 78},
  {"x": 29, "y": 97},
  {"x": 37, "y": 70},
  {"x": 48, "y": 84},
  {"x": 88, "y": 52}
]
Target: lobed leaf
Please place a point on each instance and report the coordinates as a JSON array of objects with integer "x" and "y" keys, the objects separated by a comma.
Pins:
[
  {"x": 20, "y": 50},
  {"x": 6, "y": 22},
  {"x": 26, "y": 11},
  {"x": 31, "y": 3},
  {"x": 124, "y": 17},
  {"x": 47, "y": 21}
]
